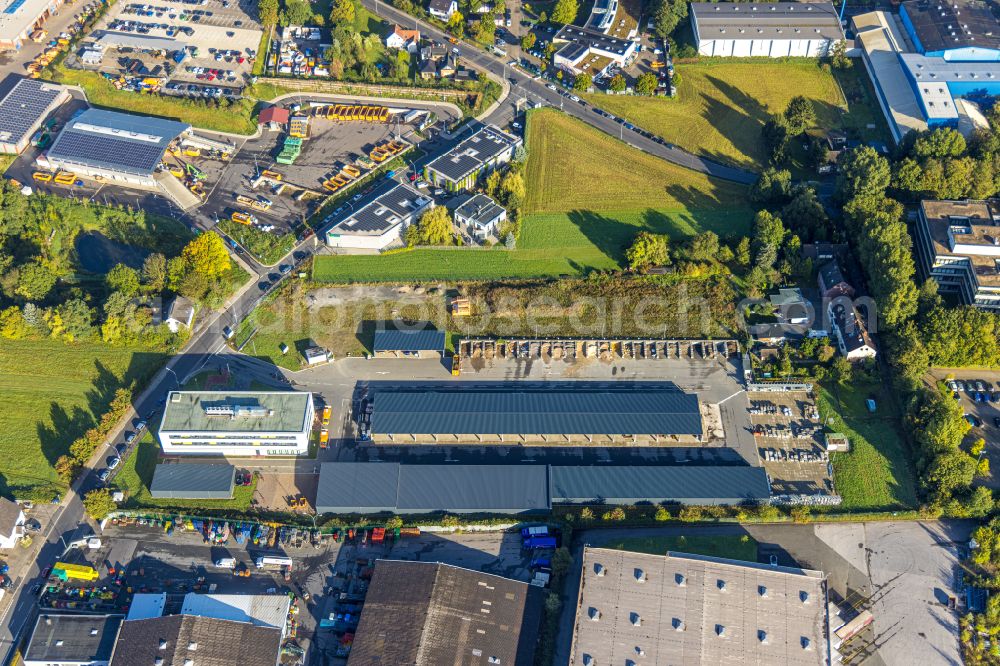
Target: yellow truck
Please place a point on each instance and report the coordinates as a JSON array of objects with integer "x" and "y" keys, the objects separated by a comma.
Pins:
[
  {"x": 65, "y": 178},
  {"x": 42, "y": 177},
  {"x": 271, "y": 175},
  {"x": 64, "y": 572},
  {"x": 324, "y": 438},
  {"x": 243, "y": 218}
]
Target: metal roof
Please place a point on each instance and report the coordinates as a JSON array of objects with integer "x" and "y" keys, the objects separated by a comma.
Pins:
[
  {"x": 25, "y": 107},
  {"x": 433, "y": 613},
  {"x": 766, "y": 20},
  {"x": 956, "y": 24},
  {"x": 115, "y": 141},
  {"x": 679, "y": 608},
  {"x": 629, "y": 485},
  {"x": 357, "y": 487},
  {"x": 204, "y": 641},
  {"x": 409, "y": 341},
  {"x": 111, "y": 39},
  {"x": 73, "y": 638},
  {"x": 260, "y": 610},
  {"x": 193, "y": 481},
  {"x": 471, "y": 154},
  {"x": 236, "y": 411},
  {"x": 584, "y": 408},
  {"x": 377, "y": 487}
]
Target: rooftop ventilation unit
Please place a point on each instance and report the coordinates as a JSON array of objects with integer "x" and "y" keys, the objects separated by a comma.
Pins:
[
  {"x": 720, "y": 630},
  {"x": 677, "y": 624},
  {"x": 721, "y": 584},
  {"x": 762, "y": 591},
  {"x": 599, "y": 570},
  {"x": 635, "y": 619},
  {"x": 640, "y": 576},
  {"x": 595, "y": 615}
]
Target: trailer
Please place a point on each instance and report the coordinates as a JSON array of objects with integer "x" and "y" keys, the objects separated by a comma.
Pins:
[{"x": 273, "y": 562}]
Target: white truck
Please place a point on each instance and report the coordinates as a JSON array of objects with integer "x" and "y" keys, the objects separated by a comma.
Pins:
[{"x": 226, "y": 563}]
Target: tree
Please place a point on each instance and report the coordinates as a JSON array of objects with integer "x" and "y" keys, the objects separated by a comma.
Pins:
[
  {"x": 268, "y": 12},
  {"x": 343, "y": 13},
  {"x": 12, "y": 324},
  {"x": 98, "y": 503},
  {"x": 805, "y": 214},
  {"x": 207, "y": 256},
  {"x": 154, "y": 272},
  {"x": 435, "y": 226},
  {"x": 583, "y": 81},
  {"x": 528, "y": 41},
  {"x": 75, "y": 319},
  {"x": 123, "y": 278},
  {"x": 67, "y": 467},
  {"x": 646, "y": 84},
  {"x": 456, "y": 24},
  {"x": 296, "y": 12},
  {"x": 617, "y": 83},
  {"x": 838, "y": 55},
  {"x": 486, "y": 29},
  {"x": 704, "y": 247},
  {"x": 799, "y": 115},
  {"x": 647, "y": 250},
  {"x": 939, "y": 143},
  {"x": 742, "y": 252},
  {"x": 768, "y": 234},
  {"x": 34, "y": 281},
  {"x": 512, "y": 189},
  {"x": 842, "y": 370},
  {"x": 772, "y": 187},
  {"x": 565, "y": 11},
  {"x": 561, "y": 562},
  {"x": 863, "y": 173},
  {"x": 667, "y": 14},
  {"x": 775, "y": 135}
]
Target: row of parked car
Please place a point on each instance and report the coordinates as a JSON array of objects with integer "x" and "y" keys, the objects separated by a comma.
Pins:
[{"x": 115, "y": 459}]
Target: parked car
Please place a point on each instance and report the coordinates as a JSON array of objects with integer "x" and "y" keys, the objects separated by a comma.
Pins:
[
  {"x": 974, "y": 421},
  {"x": 103, "y": 476},
  {"x": 113, "y": 462},
  {"x": 129, "y": 438}
]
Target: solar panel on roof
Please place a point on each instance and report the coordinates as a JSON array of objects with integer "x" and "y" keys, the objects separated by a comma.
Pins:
[
  {"x": 14, "y": 6},
  {"x": 107, "y": 151}
]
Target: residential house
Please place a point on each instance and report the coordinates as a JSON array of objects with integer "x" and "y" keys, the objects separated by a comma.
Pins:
[
  {"x": 428, "y": 70},
  {"x": 832, "y": 283},
  {"x": 795, "y": 318},
  {"x": 480, "y": 216},
  {"x": 11, "y": 523},
  {"x": 446, "y": 68},
  {"x": 850, "y": 332},
  {"x": 434, "y": 53},
  {"x": 180, "y": 314},
  {"x": 404, "y": 40},
  {"x": 442, "y": 9}
]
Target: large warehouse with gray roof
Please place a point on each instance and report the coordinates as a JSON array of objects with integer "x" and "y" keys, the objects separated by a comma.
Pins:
[
  {"x": 384, "y": 487},
  {"x": 503, "y": 412}
]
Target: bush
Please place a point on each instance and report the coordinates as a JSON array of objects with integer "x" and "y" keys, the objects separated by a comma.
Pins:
[
  {"x": 690, "y": 514},
  {"x": 663, "y": 514}
]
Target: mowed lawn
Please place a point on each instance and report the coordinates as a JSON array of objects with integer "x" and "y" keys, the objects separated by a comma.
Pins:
[
  {"x": 53, "y": 392},
  {"x": 876, "y": 473},
  {"x": 722, "y": 104},
  {"x": 588, "y": 195},
  {"x": 732, "y": 547}
]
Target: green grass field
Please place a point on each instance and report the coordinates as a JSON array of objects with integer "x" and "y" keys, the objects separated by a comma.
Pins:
[
  {"x": 734, "y": 547},
  {"x": 876, "y": 473},
  {"x": 238, "y": 118},
  {"x": 52, "y": 393},
  {"x": 722, "y": 104},
  {"x": 137, "y": 473},
  {"x": 588, "y": 195}
]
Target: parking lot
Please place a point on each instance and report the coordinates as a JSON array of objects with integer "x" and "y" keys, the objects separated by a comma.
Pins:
[
  {"x": 218, "y": 39},
  {"x": 788, "y": 431},
  {"x": 978, "y": 392}
]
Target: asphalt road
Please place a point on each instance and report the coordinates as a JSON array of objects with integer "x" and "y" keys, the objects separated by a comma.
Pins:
[{"x": 533, "y": 90}]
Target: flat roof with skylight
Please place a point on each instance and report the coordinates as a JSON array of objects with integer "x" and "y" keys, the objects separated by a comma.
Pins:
[
  {"x": 236, "y": 411},
  {"x": 690, "y": 609}
]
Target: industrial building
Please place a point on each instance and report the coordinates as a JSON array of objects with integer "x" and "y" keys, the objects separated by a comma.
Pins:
[
  {"x": 176, "y": 640},
  {"x": 551, "y": 412},
  {"x": 384, "y": 487},
  {"x": 380, "y": 222},
  {"x": 236, "y": 423},
  {"x": 410, "y": 489},
  {"x": 72, "y": 640},
  {"x": 690, "y": 609},
  {"x": 460, "y": 168},
  {"x": 433, "y": 613},
  {"x": 410, "y": 343},
  {"x": 700, "y": 486},
  {"x": 956, "y": 245},
  {"x": 19, "y": 18},
  {"x": 933, "y": 64},
  {"x": 193, "y": 481},
  {"x": 24, "y": 109},
  {"x": 765, "y": 29},
  {"x": 113, "y": 146}
]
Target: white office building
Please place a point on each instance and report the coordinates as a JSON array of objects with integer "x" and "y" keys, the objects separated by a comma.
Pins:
[{"x": 237, "y": 423}]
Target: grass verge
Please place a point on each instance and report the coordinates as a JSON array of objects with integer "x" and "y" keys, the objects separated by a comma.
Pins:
[
  {"x": 268, "y": 248},
  {"x": 732, "y": 547},
  {"x": 53, "y": 392},
  {"x": 137, "y": 473},
  {"x": 876, "y": 474}
]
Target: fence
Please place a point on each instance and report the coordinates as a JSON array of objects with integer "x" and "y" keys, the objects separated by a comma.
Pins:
[{"x": 778, "y": 387}]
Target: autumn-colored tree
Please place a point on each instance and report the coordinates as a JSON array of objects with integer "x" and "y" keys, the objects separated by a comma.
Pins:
[{"x": 207, "y": 256}]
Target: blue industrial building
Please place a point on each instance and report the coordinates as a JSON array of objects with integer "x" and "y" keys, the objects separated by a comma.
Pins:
[{"x": 934, "y": 64}]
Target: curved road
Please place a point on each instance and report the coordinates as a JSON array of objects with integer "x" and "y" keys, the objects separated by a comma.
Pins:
[{"x": 533, "y": 90}]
